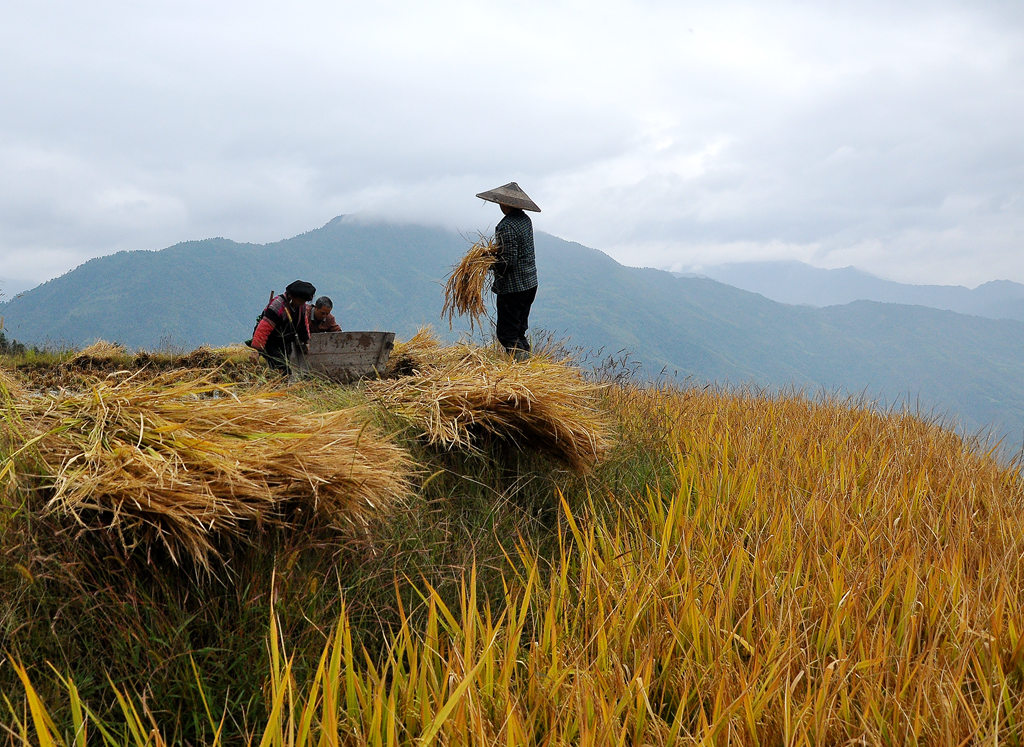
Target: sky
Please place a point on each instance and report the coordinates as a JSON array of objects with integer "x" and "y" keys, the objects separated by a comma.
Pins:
[{"x": 882, "y": 135}]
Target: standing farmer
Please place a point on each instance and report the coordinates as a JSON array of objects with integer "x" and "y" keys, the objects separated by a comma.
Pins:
[
  {"x": 284, "y": 325},
  {"x": 515, "y": 272}
]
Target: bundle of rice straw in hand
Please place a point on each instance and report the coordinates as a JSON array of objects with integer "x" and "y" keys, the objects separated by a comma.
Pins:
[{"x": 469, "y": 280}]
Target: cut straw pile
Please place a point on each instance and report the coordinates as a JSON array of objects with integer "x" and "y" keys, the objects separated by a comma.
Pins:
[
  {"x": 468, "y": 282},
  {"x": 102, "y": 349},
  {"x": 99, "y": 352},
  {"x": 107, "y": 356},
  {"x": 187, "y": 462},
  {"x": 458, "y": 394},
  {"x": 410, "y": 356}
]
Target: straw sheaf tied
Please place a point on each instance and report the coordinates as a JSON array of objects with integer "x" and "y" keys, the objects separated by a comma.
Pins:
[
  {"x": 468, "y": 282},
  {"x": 466, "y": 393},
  {"x": 187, "y": 462},
  {"x": 103, "y": 350},
  {"x": 409, "y": 356}
]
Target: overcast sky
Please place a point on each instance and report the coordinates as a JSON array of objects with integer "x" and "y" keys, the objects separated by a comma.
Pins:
[{"x": 884, "y": 135}]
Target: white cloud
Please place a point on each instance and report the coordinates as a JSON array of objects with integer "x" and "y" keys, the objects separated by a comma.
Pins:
[{"x": 875, "y": 134}]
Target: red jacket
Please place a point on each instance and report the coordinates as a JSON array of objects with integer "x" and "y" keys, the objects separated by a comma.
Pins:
[{"x": 280, "y": 318}]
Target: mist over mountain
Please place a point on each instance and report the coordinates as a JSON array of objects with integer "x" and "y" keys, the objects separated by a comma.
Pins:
[
  {"x": 799, "y": 283},
  {"x": 10, "y": 287},
  {"x": 390, "y": 276}
]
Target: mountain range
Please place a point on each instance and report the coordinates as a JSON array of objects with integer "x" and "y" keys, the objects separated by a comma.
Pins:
[
  {"x": 387, "y": 276},
  {"x": 799, "y": 283}
]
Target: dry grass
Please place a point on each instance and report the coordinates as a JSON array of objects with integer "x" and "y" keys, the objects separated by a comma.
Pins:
[
  {"x": 456, "y": 395},
  {"x": 188, "y": 462},
  {"x": 468, "y": 282}
]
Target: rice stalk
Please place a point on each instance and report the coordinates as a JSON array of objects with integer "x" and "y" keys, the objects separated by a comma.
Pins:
[
  {"x": 408, "y": 356},
  {"x": 469, "y": 280},
  {"x": 187, "y": 462},
  {"x": 466, "y": 392},
  {"x": 820, "y": 573},
  {"x": 11, "y": 429},
  {"x": 9, "y": 386},
  {"x": 103, "y": 350}
]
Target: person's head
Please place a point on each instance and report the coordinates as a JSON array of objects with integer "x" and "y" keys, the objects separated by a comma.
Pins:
[
  {"x": 508, "y": 209},
  {"x": 322, "y": 308},
  {"x": 299, "y": 293}
]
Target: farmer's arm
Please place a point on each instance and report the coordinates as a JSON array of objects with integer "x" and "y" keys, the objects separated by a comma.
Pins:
[{"x": 270, "y": 321}]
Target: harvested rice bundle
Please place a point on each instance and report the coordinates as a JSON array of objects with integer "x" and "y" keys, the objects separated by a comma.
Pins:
[
  {"x": 103, "y": 350},
  {"x": 100, "y": 356},
  {"x": 202, "y": 357},
  {"x": 410, "y": 355},
  {"x": 538, "y": 403},
  {"x": 105, "y": 359},
  {"x": 186, "y": 462},
  {"x": 468, "y": 282},
  {"x": 233, "y": 353},
  {"x": 422, "y": 350}
]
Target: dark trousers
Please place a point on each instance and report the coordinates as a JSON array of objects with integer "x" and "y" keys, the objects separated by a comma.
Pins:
[
  {"x": 513, "y": 319},
  {"x": 275, "y": 353}
]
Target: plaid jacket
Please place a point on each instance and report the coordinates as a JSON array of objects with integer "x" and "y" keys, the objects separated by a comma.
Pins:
[{"x": 517, "y": 267}]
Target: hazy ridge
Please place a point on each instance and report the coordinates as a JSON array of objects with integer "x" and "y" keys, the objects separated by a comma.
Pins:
[
  {"x": 390, "y": 276},
  {"x": 800, "y": 283}
]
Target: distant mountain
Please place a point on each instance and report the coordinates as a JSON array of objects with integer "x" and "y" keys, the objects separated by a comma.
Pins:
[
  {"x": 388, "y": 276},
  {"x": 799, "y": 283}
]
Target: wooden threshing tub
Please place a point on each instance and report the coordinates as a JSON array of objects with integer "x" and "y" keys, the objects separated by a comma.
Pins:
[{"x": 347, "y": 356}]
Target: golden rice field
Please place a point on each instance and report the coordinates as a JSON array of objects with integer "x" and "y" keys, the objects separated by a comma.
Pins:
[{"x": 801, "y": 572}]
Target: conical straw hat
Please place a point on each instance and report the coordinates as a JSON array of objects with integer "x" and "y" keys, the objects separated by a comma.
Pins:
[{"x": 510, "y": 195}]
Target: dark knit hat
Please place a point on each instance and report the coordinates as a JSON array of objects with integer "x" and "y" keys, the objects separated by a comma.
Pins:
[{"x": 301, "y": 289}]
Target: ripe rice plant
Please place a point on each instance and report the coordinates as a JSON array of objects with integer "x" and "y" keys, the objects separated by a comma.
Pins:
[{"x": 816, "y": 573}]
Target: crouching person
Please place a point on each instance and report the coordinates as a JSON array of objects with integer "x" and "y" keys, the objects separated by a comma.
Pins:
[
  {"x": 283, "y": 327},
  {"x": 320, "y": 317}
]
